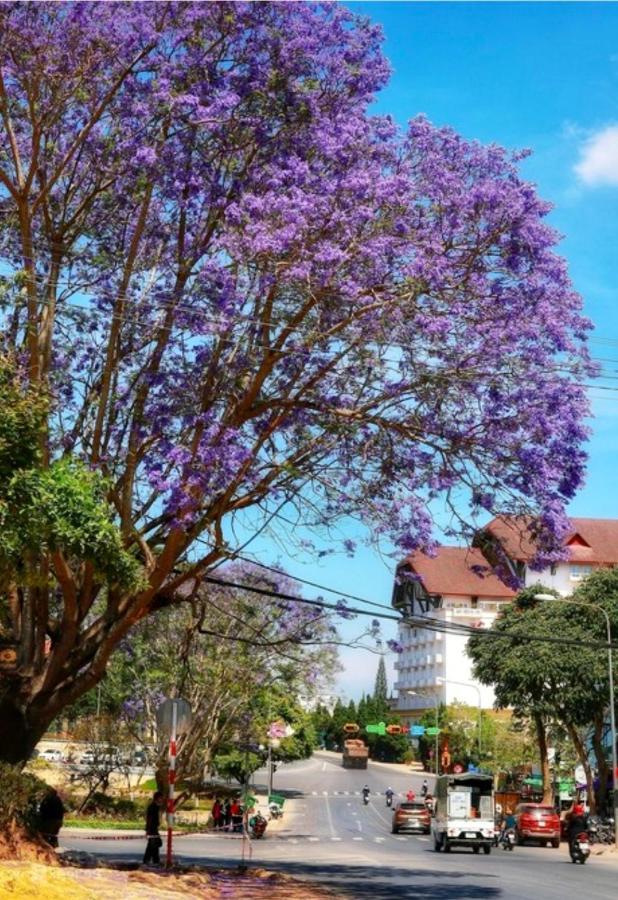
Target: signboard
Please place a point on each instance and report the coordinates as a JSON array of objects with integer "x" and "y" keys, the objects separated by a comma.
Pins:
[
  {"x": 417, "y": 730},
  {"x": 432, "y": 731},
  {"x": 165, "y": 715},
  {"x": 379, "y": 728},
  {"x": 351, "y": 728},
  {"x": 394, "y": 729}
]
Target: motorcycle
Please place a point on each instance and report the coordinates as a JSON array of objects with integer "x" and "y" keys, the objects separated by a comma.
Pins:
[
  {"x": 579, "y": 848},
  {"x": 366, "y": 797},
  {"x": 389, "y": 800},
  {"x": 257, "y": 826},
  {"x": 507, "y": 839}
]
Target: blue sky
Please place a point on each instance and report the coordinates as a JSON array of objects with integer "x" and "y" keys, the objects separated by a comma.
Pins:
[{"x": 537, "y": 75}]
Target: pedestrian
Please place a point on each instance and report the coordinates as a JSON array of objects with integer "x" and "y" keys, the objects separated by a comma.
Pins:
[
  {"x": 51, "y": 816},
  {"x": 226, "y": 814},
  {"x": 153, "y": 838},
  {"x": 236, "y": 815},
  {"x": 217, "y": 810}
]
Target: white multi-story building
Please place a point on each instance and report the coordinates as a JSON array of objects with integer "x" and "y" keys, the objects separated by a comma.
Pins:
[{"x": 448, "y": 589}]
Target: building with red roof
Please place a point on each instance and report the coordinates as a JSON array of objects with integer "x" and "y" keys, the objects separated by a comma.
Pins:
[{"x": 457, "y": 587}]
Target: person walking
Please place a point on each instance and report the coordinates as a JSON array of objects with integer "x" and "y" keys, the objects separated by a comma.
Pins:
[
  {"x": 217, "y": 811},
  {"x": 153, "y": 838},
  {"x": 51, "y": 816}
]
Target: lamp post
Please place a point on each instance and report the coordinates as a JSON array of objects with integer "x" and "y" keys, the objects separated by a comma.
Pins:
[
  {"x": 475, "y": 687},
  {"x": 435, "y": 700},
  {"x": 612, "y": 711}
]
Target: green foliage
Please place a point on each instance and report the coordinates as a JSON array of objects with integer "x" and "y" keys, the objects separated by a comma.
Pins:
[
  {"x": 380, "y": 691},
  {"x": 62, "y": 508},
  {"x": 238, "y": 764},
  {"x": 59, "y": 507},
  {"x": 369, "y": 710},
  {"x": 20, "y": 797}
]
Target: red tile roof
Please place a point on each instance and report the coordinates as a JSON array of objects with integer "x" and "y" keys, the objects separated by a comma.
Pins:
[
  {"x": 590, "y": 541},
  {"x": 450, "y": 572}
]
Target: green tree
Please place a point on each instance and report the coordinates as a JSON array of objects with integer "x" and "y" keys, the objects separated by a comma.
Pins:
[
  {"x": 380, "y": 691},
  {"x": 543, "y": 681}
]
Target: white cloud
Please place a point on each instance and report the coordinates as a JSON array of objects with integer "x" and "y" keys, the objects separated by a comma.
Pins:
[{"x": 598, "y": 164}]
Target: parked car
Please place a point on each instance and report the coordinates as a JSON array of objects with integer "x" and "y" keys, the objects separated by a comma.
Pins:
[
  {"x": 537, "y": 822},
  {"x": 411, "y": 817},
  {"x": 52, "y": 756}
]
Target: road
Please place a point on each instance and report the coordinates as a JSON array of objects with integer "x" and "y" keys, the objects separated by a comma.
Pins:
[{"x": 330, "y": 837}]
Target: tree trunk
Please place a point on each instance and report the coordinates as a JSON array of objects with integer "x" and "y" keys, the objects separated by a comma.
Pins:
[
  {"x": 602, "y": 766},
  {"x": 18, "y": 735},
  {"x": 582, "y": 755},
  {"x": 541, "y": 737}
]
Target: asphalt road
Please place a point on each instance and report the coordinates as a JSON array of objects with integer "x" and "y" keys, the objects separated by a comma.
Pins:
[{"x": 328, "y": 836}]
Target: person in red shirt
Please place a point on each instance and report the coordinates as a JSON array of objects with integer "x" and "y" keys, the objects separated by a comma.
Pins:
[{"x": 410, "y": 796}]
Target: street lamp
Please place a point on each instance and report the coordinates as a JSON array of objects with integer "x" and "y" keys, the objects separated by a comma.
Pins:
[
  {"x": 612, "y": 711},
  {"x": 475, "y": 687},
  {"x": 435, "y": 700}
]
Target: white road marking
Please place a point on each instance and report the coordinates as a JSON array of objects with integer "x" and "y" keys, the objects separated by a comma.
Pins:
[
  {"x": 329, "y": 818},
  {"x": 357, "y": 838},
  {"x": 423, "y": 838},
  {"x": 314, "y": 839},
  {"x": 325, "y": 793},
  {"x": 292, "y": 841},
  {"x": 347, "y": 793},
  {"x": 399, "y": 838},
  {"x": 379, "y": 840},
  {"x": 324, "y": 767},
  {"x": 314, "y": 793},
  {"x": 360, "y": 827},
  {"x": 335, "y": 839}
]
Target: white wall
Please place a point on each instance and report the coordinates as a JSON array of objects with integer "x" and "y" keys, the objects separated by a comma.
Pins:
[{"x": 564, "y": 579}]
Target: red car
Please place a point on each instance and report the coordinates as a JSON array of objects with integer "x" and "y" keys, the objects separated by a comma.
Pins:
[
  {"x": 411, "y": 817},
  {"x": 537, "y": 822}
]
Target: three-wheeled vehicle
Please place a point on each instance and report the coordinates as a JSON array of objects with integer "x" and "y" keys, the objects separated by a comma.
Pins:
[{"x": 464, "y": 812}]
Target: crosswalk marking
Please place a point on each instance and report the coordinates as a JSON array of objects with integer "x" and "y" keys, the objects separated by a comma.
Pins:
[
  {"x": 379, "y": 840},
  {"x": 335, "y": 839},
  {"x": 357, "y": 838},
  {"x": 399, "y": 838},
  {"x": 314, "y": 839}
]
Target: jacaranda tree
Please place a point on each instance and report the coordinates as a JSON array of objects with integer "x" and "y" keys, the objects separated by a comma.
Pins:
[{"x": 244, "y": 296}]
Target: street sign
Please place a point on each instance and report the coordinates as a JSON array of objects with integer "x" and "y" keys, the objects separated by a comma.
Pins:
[
  {"x": 379, "y": 728},
  {"x": 165, "y": 715},
  {"x": 351, "y": 728},
  {"x": 432, "y": 731},
  {"x": 393, "y": 729},
  {"x": 417, "y": 730}
]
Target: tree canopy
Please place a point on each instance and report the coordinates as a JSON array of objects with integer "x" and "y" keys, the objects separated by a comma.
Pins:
[{"x": 250, "y": 301}]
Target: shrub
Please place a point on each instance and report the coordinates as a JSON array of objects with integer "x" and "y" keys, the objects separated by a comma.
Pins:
[{"x": 20, "y": 797}]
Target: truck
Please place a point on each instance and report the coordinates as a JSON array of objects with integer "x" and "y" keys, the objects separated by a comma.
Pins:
[
  {"x": 464, "y": 812},
  {"x": 355, "y": 754}
]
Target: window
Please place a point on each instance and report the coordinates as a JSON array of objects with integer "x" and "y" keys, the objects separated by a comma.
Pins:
[{"x": 579, "y": 571}]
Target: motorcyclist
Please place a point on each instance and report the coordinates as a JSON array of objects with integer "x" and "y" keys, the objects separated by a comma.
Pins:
[
  {"x": 366, "y": 793},
  {"x": 424, "y": 788},
  {"x": 389, "y": 792},
  {"x": 578, "y": 823},
  {"x": 508, "y": 823}
]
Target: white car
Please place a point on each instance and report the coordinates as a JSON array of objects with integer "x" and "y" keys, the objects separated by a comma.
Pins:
[{"x": 52, "y": 756}]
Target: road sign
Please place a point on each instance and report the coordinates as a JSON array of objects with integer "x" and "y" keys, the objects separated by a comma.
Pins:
[
  {"x": 432, "y": 731},
  {"x": 379, "y": 728},
  {"x": 393, "y": 729},
  {"x": 165, "y": 715},
  {"x": 417, "y": 730},
  {"x": 351, "y": 728}
]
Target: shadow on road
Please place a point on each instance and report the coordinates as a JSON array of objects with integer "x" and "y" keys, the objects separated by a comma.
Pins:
[{"x": 359, "y": 882}]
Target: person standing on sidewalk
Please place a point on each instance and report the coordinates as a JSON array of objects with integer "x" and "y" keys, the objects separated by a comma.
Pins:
[{"x": 153, "y": 821}]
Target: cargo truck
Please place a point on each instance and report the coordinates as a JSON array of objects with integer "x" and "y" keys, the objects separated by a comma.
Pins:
[{"x": 355, "y": 754}]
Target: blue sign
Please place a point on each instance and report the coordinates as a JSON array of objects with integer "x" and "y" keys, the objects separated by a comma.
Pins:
[{"x": 417, "y": 730}]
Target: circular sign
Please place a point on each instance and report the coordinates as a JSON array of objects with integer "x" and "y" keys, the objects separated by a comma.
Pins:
[{"x": 458, "y": 768}]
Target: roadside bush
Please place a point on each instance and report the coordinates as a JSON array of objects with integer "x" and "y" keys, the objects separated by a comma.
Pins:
[
  {"x": 103, "y": 806},
  {"x": 20, "y": 796}
]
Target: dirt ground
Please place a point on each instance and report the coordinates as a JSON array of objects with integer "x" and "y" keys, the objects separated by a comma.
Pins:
[{"x": 24, "y": 880}]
